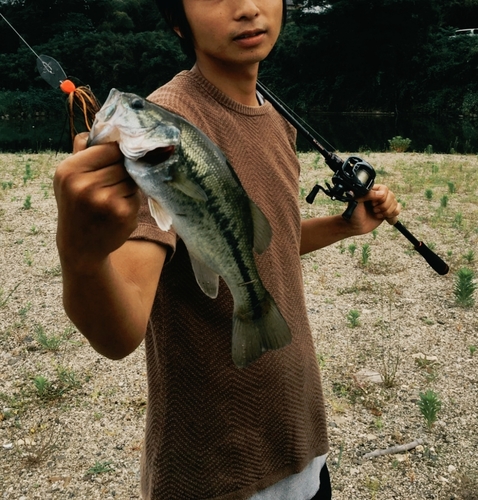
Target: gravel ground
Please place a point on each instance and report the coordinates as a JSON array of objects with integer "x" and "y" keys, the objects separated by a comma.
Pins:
[{"x": 71, "y": 422}]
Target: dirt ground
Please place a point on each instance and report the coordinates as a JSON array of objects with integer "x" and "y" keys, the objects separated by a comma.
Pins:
[{"x": 72, "y": 422}]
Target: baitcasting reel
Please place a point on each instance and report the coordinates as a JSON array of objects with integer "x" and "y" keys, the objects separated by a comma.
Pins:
[{"x": 352, "y": 179}]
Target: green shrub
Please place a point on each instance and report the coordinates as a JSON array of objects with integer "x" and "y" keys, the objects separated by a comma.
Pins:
[{"x": 399, "y": 144}]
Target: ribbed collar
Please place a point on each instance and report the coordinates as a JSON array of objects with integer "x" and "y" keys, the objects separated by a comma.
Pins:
[{"x": 219, "y": 96}]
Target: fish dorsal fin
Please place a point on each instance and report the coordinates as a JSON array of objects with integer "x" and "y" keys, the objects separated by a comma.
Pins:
[
  {"x": 206, "y": 278},
  {"x": 188, "y": 187},
  {"x": 262, "y": 229},
  {"x": 162, "y": 218}
]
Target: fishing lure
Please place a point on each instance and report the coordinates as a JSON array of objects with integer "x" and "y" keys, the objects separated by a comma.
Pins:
[{"x": 79, "y": 97}]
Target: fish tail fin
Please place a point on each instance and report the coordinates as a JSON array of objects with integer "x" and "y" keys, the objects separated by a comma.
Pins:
[{"x": 256, "y": 332}]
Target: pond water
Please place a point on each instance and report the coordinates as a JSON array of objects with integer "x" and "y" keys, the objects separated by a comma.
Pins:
[
  {"x": 355, "y": 132},
  {"x": 344, "y": 132},
  {"x": 34, "y": 135}
]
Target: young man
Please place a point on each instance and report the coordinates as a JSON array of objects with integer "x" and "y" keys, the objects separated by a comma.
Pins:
[{"x": 213, "y": 431}]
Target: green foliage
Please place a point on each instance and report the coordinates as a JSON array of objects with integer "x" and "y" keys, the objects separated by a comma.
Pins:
[
  {"x": 428, "y": 194},
  {"x": 469, "y": 256},
  {"x": 42, "y": 385},
  {"x": 429, "y": 405},
  {"x": 366, "y": 251},
  {"x": 48, "y": 342},
  {"x": 458, "y": 220},
  {"x": 353, "y": 318},
  {"x": 399, "y": 144},
  {"x": 28, "y": 173},
  {"x": 464, "y": 287},
  {"x": 404, "y": 61},
  {"x": 27, "y": 204},
  {"x": 100, "y": 468}
]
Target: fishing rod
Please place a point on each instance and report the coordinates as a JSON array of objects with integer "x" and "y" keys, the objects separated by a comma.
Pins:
[{"x": 353, "y": 178}]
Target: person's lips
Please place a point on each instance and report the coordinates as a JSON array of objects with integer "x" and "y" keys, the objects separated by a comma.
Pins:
[{"x": 250, "y": 38}]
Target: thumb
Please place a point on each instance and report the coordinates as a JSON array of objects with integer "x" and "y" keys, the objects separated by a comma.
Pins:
[{"x": 79, "y": 143}]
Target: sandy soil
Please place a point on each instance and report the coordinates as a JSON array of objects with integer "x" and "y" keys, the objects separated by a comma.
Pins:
[{"x": 71, "y": 422}]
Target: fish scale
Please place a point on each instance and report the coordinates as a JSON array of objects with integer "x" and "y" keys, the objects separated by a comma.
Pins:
[{"x": 191, "y": 186}]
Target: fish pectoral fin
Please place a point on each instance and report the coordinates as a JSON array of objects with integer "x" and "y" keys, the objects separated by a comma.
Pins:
[
  {"x": 262, "y": 228},
  {"x": 162, "y": 218},
  {"x": 190, "y": 188},
  {"x": 206, "y": 278}
]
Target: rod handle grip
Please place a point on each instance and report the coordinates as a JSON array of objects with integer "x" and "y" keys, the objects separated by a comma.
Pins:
[
  {"x": 436, "y": 263},
  {"x": 392, "y": 221}
]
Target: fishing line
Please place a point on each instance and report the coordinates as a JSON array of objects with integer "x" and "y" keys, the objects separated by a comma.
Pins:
[
  {"x": 353, "y": 178},
  {"x": 20, "y": 36},
  {"x": 263, "y": 89},
  {"x": 25, "y": 42},
  {"x": 80, "y": 97}
]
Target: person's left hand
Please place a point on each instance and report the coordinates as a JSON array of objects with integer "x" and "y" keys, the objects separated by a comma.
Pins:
[{"x": 379, "y": 204}]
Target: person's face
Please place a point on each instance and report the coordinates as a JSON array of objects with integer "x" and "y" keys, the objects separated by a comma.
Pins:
[{"x": 233, "y": 32}]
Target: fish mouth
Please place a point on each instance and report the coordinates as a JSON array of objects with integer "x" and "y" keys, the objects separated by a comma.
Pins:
[
  {"x": 158, "y": 155},
  {"x": 250, "y": 34}
]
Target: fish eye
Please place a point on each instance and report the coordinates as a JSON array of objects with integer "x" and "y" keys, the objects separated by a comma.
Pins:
[{"x": 137, "y": 104}]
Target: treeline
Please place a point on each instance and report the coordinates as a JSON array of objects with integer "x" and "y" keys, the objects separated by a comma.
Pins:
[{"x": 339, "y": 55}]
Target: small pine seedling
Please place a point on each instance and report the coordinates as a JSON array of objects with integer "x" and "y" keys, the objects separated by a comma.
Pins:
[
  {"x": 353, "y": 318},
  {"x": 464, "y": 287},
  {"x": 366, "y": 251},
  {"x": 27, "y": 204},
  {"x": 472, "y": 349},
  {"x": 28, "y": 174},
  {"x": 428, "y": 194},
  {"x": 469, "y": 256},
  {"x": 458, "y": 221},
  {"x": 444, "y": 201},
  {"x": 429, "y": 406},
  {"x": 352, "y": 247}
]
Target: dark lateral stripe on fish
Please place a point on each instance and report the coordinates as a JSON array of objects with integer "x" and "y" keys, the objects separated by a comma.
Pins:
[{"x": 223, "y": 223}]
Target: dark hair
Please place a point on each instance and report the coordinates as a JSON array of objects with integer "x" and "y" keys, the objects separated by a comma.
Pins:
[{"x": 174, "y": 15}]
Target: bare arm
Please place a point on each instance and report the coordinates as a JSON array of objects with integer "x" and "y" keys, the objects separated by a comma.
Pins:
[
  {"x": 109, "y": 282},
  {"x": 373, "y": 209},
  {"x": 111, "y": 303}
]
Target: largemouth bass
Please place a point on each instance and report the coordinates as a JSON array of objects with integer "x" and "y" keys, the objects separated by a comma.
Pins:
[{"x": 191, "y": 186}]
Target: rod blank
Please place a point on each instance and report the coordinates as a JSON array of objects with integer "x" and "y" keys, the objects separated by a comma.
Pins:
[{"x": 334, "y": 162}]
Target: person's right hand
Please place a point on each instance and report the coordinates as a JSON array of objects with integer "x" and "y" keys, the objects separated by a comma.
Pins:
[{"x": 97, "y": 201}]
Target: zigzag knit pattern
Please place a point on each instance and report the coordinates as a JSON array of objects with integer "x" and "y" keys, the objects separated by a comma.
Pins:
[{"x": 214, "y": 431}]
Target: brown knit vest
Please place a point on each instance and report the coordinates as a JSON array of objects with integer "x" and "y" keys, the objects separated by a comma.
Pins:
[{"x": 214, "y": 431}]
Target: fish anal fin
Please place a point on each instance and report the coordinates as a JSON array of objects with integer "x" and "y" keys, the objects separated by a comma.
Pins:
[
  {"x": 262, "y": 229},
  {"x": 206, "y": 278},
  {"x": 162, "y": 218},
  {"x": 252, "y": 336}
]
